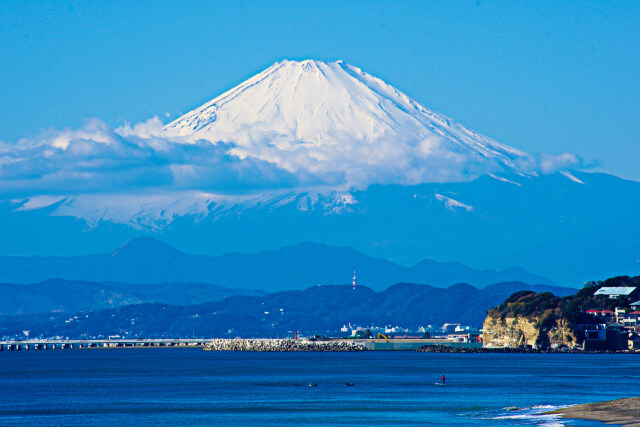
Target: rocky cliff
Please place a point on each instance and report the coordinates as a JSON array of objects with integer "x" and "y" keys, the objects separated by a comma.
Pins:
[
  {"x": 526, "y": 331},
  {"x": 528, "y": 319}
]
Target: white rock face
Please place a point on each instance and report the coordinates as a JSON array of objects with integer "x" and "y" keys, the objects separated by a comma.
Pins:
[{"x": 335, "y": 120}]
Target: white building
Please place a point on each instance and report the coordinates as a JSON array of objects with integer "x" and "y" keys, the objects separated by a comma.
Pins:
[
  {"x": 450, "y": 327},
  {"x": 617, "y": 291}
]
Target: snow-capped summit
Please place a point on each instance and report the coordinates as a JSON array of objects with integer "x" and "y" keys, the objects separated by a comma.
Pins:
[
  {"x": 309, "y": 135},
  {"x": 333, "y": 118}
]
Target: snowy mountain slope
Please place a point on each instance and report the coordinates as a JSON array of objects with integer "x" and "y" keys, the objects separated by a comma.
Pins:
[
  {"x": 328, "y": 118},
  {"x": 307, "y": 133},
  {"x": 569, "y": 231},
  {"x": 154, "y": 212}
]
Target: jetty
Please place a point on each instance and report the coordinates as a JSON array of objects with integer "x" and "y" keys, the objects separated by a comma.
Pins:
[{"x": 269, "y": 345}]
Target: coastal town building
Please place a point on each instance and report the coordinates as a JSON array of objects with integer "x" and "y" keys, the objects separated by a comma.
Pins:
[
  {"x": 474, "y": 337},
  {"x": 450, "y": 327},
  {"x": 427, "y": 329},
  {"x": 449, "y": 330},
  {"x": 612, "y": 336},
  {"x": 356, "y": 331},
  {"x": 616, "y": 329},
  {"x": 605, "y": 316},
  {"x": 634, "y": 341},
  {"x": 627, "y": 292}
]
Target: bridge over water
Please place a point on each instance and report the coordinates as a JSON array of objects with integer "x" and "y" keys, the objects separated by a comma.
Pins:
[{"x": 56, "y": 344}]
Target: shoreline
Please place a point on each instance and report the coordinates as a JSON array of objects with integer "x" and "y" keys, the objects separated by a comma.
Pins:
[
  {"x": 624, "y": 412},
  {"x": 439, "y": 348}
]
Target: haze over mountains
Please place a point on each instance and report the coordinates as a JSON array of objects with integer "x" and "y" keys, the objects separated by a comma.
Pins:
[
  {"x": 69, "y": 296},
  {"x": 151, "y": 262},
  {"x": 323, "y": 152}
]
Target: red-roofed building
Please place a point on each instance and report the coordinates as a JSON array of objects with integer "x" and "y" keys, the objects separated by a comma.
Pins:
[{"x": 604, "y": 316}]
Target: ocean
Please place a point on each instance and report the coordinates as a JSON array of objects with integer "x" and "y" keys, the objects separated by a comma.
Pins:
[{"x": 160, "y": 386}]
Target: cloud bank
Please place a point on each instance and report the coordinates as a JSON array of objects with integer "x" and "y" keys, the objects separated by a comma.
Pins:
[
  {"x": 141, "y": 171},
  {"x": 98, "y": 159}
]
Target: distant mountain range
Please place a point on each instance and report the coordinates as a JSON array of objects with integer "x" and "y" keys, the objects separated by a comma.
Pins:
[
  {"x": 59, "y": 295},
  {"x": 550, "y": 225},
  {"x": 321, "y": 309},
  {"x": 149, "y": 261}
]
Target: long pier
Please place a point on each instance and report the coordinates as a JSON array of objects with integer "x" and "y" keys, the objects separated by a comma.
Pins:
[{"x": 57, "y": 344}]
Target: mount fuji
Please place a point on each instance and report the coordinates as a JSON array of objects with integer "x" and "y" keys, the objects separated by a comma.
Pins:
[
  {"x": 334, "y": 119},
  {"x": 321, "y": 152}
]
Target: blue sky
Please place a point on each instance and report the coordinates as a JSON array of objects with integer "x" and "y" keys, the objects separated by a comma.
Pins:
[{"x": 539, "y": 76}]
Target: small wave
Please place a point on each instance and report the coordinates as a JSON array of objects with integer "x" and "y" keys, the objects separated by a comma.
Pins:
[{"x": 532, "y": 415}]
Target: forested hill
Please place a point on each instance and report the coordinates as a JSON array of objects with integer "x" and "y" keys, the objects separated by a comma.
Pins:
[{"x": 319, "y": 309}]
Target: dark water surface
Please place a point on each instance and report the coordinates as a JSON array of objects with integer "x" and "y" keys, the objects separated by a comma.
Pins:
[{"x": 189, "y": 386}]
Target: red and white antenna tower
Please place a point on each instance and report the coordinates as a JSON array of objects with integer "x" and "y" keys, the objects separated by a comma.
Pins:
[{"x": 354, "y": 279}]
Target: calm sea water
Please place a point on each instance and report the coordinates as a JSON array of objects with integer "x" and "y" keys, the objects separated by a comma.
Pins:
[{"x": 189, "y": 386}]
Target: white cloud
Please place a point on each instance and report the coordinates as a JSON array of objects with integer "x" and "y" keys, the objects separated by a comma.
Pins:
[
  {"x": 98, "y": 159},
  {"x": 545, "y": 163},
  {"x": 550, "y": 163}
]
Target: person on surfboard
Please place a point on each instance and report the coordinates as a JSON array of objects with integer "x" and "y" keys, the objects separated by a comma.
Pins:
[{"x": 442, "y": 380}]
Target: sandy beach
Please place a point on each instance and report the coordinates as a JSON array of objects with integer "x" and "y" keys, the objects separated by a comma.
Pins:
[{"x": 625, "y": 412}]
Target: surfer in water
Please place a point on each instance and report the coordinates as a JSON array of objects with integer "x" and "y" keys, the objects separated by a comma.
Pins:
[{"x": 442, "y": 380}]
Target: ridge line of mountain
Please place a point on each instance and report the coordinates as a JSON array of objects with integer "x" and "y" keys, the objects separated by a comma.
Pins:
[
  {"x": 148, "y": 260},
  {"x": 324, "y": 308}
]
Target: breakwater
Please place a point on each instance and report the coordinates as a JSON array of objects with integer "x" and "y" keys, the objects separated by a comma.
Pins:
[
  {"x": 450, "y": 349},
  {"x": 414, "y": 344},
  {"x": 280, "y": 345}
]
